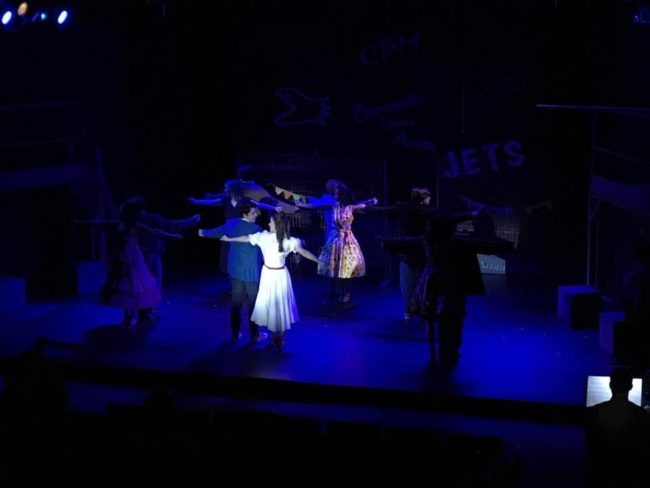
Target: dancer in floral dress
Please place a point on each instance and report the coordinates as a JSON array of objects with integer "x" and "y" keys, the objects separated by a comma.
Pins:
[{"x": 341, "y": 257}]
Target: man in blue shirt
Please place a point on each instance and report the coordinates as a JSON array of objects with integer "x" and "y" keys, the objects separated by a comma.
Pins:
[{"x": 244, "y": 264}]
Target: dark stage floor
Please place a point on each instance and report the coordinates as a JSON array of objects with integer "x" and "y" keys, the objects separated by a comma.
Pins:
[
  {"x": 514, "y": 349},
  {"x": 522, "y": 374}
]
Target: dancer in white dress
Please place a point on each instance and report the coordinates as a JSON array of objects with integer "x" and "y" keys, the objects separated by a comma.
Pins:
[{"x": 275, "y": 305}]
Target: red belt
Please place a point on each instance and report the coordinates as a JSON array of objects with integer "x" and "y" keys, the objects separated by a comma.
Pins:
[{"x": 269, "y": 267}]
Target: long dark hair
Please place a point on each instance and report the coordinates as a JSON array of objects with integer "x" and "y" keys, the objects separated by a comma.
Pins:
[{"x": 281, "y": 229}]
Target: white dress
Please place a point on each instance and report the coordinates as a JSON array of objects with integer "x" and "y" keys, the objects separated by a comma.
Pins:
[{"x": 275, "y": 305}]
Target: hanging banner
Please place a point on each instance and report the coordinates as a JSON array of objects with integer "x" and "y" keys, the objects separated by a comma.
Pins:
[{"x": 286, "y": 194}]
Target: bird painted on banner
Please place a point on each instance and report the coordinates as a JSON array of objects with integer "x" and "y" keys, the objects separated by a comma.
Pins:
[{"x": 301, "y": 109}]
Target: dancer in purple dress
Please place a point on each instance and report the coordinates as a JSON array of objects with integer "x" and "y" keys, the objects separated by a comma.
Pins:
[{"x": 129, "y": 284}]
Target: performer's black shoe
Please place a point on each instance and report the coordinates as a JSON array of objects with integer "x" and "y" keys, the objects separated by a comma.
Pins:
[{"x": 277, "y": 342}]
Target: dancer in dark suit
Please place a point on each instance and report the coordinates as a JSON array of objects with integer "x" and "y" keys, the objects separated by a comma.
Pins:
[{"x": 451, "y": 274}]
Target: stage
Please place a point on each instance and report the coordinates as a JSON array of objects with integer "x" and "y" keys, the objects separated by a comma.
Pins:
[{"x": 517, "y": 360}]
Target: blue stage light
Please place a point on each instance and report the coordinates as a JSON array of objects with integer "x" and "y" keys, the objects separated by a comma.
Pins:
[
  {"x": 39, "y": 16},
  {"x": 63, "y": 16},
  {"x": 6, "y": 17}
]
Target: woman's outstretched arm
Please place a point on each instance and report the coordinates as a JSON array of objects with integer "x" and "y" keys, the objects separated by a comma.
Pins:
[
  {"x": 308, "y": 255},
  {"x": 160, "y": 232},
  {"x": 317, "y": 203}
]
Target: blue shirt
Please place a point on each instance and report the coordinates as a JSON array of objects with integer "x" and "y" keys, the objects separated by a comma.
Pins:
[{"x": 244, "y": 260}]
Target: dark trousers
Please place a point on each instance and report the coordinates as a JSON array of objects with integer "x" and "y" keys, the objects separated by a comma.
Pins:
[
  {"x": 449, "y": 319},
  {"x": 408, "y": 275},
  {"x": 244, "y": 293}
]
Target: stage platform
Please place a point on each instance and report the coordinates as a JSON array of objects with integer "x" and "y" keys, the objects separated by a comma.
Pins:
[{"x": 518, "y": 360}]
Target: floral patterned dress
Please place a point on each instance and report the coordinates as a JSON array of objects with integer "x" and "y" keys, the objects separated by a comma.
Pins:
[{"x": 341, "y": 253}]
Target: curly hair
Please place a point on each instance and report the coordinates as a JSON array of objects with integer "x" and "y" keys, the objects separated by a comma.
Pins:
[{"x": 343, "y": 194}]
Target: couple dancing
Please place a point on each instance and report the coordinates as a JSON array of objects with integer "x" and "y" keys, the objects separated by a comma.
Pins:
[{"x": 270, "y": 290}]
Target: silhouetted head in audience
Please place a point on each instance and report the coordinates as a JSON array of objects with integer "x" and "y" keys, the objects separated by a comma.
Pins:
[
  {"x": 33, "y": 388},
  {"x": 159, "y": 406},
  {"x": 620, "y": 382}
]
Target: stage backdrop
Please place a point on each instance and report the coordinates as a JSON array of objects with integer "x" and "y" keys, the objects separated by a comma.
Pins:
[{"x": 400, "y": 95}]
